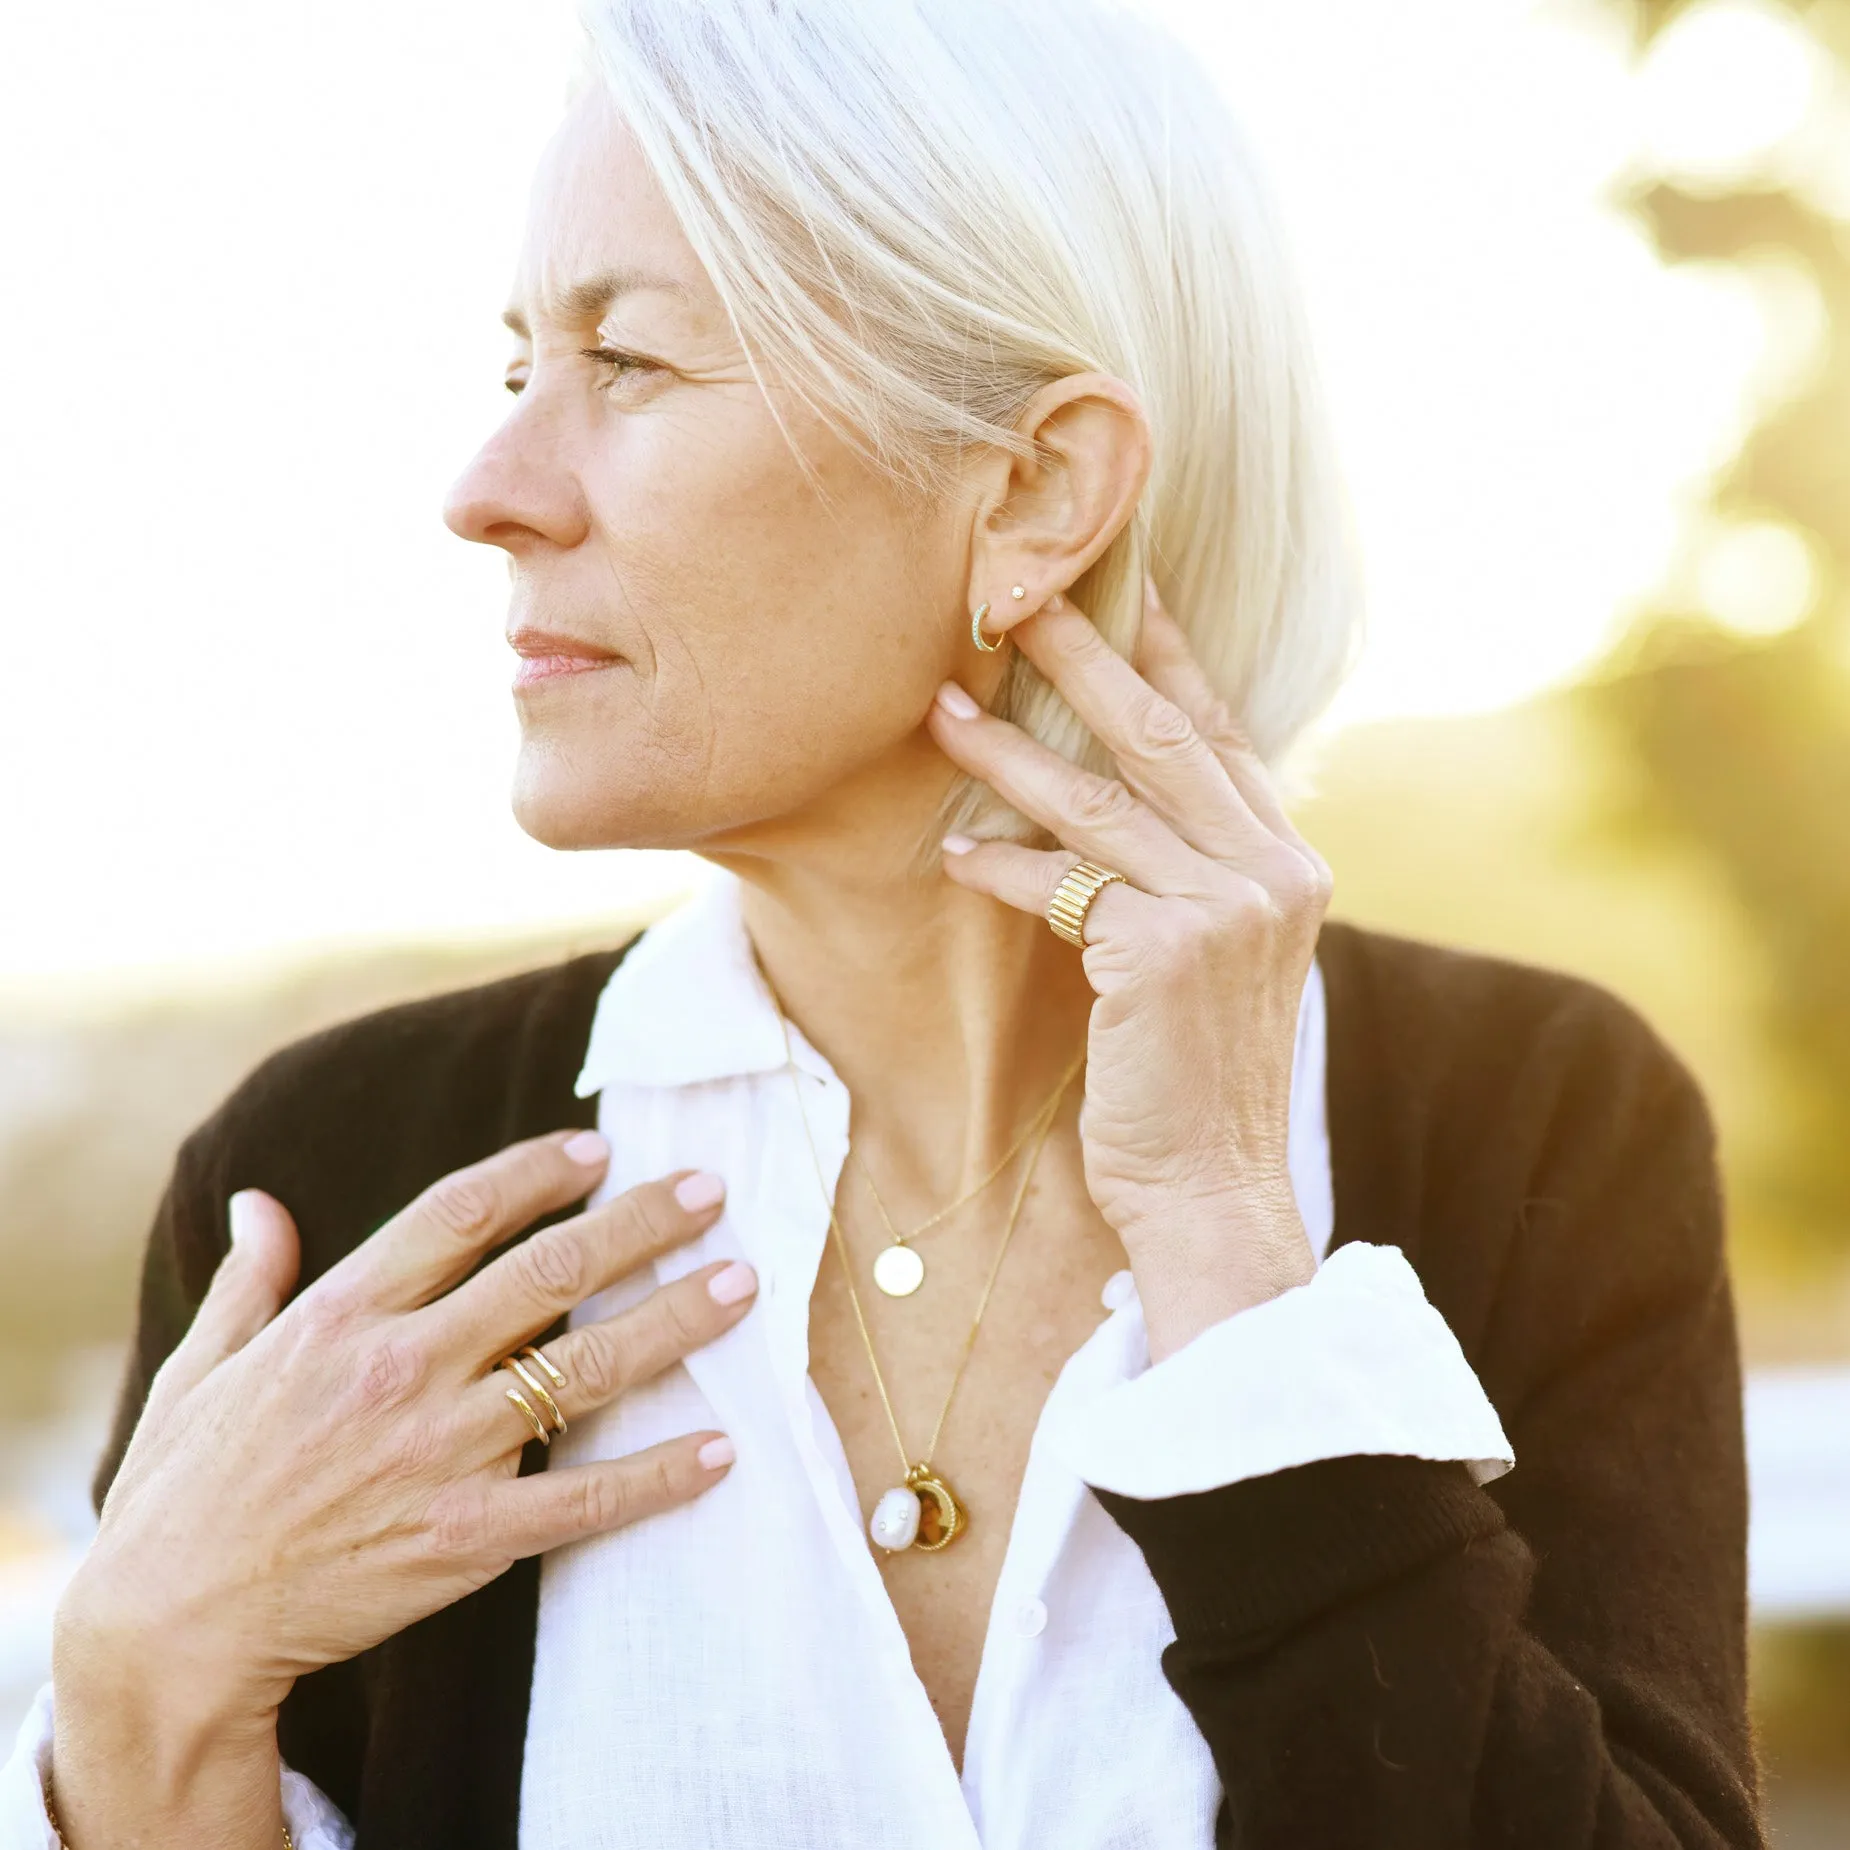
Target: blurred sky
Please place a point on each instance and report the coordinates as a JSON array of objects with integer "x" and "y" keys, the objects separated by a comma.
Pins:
[{"x": 255, "y": 695}]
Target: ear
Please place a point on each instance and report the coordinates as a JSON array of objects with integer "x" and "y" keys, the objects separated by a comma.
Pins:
[{"x": 1043, "y": 523}]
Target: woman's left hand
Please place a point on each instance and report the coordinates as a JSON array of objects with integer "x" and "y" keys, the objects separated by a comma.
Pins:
[{"x": 1198, "y": 957}]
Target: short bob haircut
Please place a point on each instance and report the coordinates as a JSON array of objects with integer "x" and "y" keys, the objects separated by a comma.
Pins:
[{"x": 919, "y": 212}]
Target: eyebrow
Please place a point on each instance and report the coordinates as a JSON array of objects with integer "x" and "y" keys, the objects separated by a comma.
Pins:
[{"x": 588, "y": 300}]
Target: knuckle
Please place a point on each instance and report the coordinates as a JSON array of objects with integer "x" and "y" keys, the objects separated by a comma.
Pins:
[
  {"x": 597, "y": 1367},
  {"x": 390, "y": 1371},
  {"x": 417, "y": 1446},
  {"x": 1101, "y": 802},
  {"x": 552, "y": 1270},
  {"x": 599, "y": 1500},
  {"x": 681, "y": 1311},
  {"x": 1167, "y": 731},
  {"x": 457, "y": 1526},
  {"x": 467, "y": 1206},
  {"x": 653, "y": 1217},
  {"x": 321, "y": 1317}
]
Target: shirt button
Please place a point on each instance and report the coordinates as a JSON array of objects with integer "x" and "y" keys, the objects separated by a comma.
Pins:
[
  {"x": 1120, "y": 1288},
  {"x": 1031, "y": 1618}
]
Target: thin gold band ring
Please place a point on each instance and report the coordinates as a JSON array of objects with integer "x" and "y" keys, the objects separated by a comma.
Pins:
[
  {"x": 515, "y": 1366},
  {"x": 537, "y": 1388}
]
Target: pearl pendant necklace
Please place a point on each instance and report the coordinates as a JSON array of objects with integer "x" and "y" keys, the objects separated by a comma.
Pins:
[
  {"x": 920, "y": 1513},
  {"x": 923, "y": 1512}
]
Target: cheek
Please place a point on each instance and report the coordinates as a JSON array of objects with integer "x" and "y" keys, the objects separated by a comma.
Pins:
[{"x": 775, "y": 629}]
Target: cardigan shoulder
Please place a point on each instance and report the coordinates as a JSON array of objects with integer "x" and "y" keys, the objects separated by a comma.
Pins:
[{"x": 355, "y": 1117}]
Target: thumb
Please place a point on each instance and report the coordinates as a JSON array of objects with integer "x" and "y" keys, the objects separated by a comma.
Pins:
[{"x": 246, "y": 1291}]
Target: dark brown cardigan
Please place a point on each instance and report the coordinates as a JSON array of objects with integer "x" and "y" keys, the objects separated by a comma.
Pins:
[{"x": 1378, "y": 1651}]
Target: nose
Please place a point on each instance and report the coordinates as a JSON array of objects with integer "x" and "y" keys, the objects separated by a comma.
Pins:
[{"x": 520, "y": 489}]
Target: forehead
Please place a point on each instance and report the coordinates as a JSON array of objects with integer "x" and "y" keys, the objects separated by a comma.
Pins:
[{"x": 599, "y": 229}]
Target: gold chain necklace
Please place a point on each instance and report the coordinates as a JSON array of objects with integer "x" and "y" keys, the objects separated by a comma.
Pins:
[
  {"x": 901, "y": 1518},
  {"x": 897, "y": 1269}
]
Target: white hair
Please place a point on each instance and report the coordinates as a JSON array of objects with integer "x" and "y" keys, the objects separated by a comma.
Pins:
[{"x": 920, "y": 212}]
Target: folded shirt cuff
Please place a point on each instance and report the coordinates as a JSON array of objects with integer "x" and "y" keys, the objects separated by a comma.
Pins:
[
  {"x": 1354, "y": 1361},
  {"x": 315, "y": 1822}
]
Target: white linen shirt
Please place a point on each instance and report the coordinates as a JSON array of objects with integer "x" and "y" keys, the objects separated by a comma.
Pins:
[{"x": 732, "y": 1670}]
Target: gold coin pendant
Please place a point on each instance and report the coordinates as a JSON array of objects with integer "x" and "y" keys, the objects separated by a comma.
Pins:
[{"x": 899, "y": 1271}]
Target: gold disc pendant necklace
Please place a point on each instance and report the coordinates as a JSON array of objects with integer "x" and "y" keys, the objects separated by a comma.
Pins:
[
  {"x": 898, "y": 1270},
  {"x": 923, "y": 1511}
]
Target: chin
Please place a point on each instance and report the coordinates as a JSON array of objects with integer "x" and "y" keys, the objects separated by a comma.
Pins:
[{"x": 573, "y": 810}]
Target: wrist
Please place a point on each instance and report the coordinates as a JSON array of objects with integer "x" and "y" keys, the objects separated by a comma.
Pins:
[
  {"x": 132, "y": 1704},
  {"x": 1199, "y": 1262}
]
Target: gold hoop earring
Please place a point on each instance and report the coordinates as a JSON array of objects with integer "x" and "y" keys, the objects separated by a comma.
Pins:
[{"x": 976, "y": 631}]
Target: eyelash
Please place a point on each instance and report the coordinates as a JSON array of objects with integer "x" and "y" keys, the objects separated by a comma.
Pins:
[{"x": 620, "y": 363}]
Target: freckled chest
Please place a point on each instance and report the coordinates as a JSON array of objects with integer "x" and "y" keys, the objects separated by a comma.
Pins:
[{"x": 1044, "y": 1305}]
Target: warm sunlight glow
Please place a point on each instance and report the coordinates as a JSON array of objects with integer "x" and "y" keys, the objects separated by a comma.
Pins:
[
  {"x": 259, "y": 696},
  {"x": 1726, "y": 86}
]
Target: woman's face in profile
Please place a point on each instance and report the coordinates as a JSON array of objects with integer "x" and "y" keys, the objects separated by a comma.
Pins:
[{"x": 755, "y": 653}]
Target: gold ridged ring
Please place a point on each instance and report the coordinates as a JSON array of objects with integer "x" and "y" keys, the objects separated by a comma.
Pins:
[{"x": 1073, "y": 897}]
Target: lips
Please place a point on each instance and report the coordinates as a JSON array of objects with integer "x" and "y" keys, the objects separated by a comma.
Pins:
[{"x": 550, "y": 654}]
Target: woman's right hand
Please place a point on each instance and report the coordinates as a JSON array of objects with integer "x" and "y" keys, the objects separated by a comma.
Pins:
[{"x": 302, "y": 1485}]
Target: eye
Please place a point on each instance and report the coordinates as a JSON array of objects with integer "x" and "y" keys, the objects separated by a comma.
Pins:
[{"x": 617, "y": 362}]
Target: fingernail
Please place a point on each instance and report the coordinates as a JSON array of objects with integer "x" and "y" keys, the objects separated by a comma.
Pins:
[
  {"x": 954, "y": 700},
  {"x": 243, "y": 1212},
  {"x": 698, "y": 1191},
  {"x": 716, "y": 1452},
  {"x": 958, "y": 844},
  {"x": 736, "y": 1282},
  {"x": 587, "y": 1147}
]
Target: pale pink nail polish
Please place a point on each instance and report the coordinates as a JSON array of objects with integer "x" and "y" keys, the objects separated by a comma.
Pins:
[
  {"x": 958, "y": 844},
  {"x": 716, "y": 1452},
  {"x": 954, "y": 700},
  {"x": 588, "y": 1147},
  {"x": 698, "y": 1191},
  {"x": 736, "y": 1282}
]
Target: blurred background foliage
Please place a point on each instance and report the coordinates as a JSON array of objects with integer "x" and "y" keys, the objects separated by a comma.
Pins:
[
  {"x": 1742, "y": 745},
  {"x": 1742, "y": 753}
]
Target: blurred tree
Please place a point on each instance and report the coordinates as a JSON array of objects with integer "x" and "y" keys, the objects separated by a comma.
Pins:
[{"x": 1743, "y": 743}]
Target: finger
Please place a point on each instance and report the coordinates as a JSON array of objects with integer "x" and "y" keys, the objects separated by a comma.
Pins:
[
  {"x": 437, "y": 1238},
  {"x": 1169, "y": 665},
  {"x": 521, "y": 1292},
  {"x": 1160, "y": 755},
  {"x": 528, "y": 1515},
  {"x": 246, "y": 1292},
  {"x": 1097, "y": 817},
  {"x": 1026, "y": 878},
  {"x": 602, "y": 1360}
]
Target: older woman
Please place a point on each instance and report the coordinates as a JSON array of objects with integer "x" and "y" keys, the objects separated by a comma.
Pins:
[{"x": 662, "y": 1399}]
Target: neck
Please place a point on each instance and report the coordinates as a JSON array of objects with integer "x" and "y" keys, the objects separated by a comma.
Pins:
[{"x": 949, "y": 1016}]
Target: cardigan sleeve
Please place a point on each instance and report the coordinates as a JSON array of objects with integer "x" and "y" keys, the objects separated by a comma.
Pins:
[{"x": 1380, "y": 1650}]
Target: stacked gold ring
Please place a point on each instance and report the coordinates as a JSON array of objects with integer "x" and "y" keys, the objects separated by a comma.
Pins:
[
  {"x": 1072, "y": 898},
  {"x": 514, "y": 1365}
]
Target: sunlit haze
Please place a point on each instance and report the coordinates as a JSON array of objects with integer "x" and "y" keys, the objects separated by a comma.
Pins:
[{"x": 257, "y": 696}]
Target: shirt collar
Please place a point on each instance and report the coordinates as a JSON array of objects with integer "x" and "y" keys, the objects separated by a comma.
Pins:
[{"x": 689, "y": 1003}]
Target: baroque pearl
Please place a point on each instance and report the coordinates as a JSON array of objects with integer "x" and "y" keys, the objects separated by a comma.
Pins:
[{"x": 895, "y": 1521}]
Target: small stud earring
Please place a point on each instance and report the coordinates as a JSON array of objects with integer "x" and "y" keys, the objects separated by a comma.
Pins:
[
  {"x": 1018, "y": 593},
  {"x": 976, "y": 631}
]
